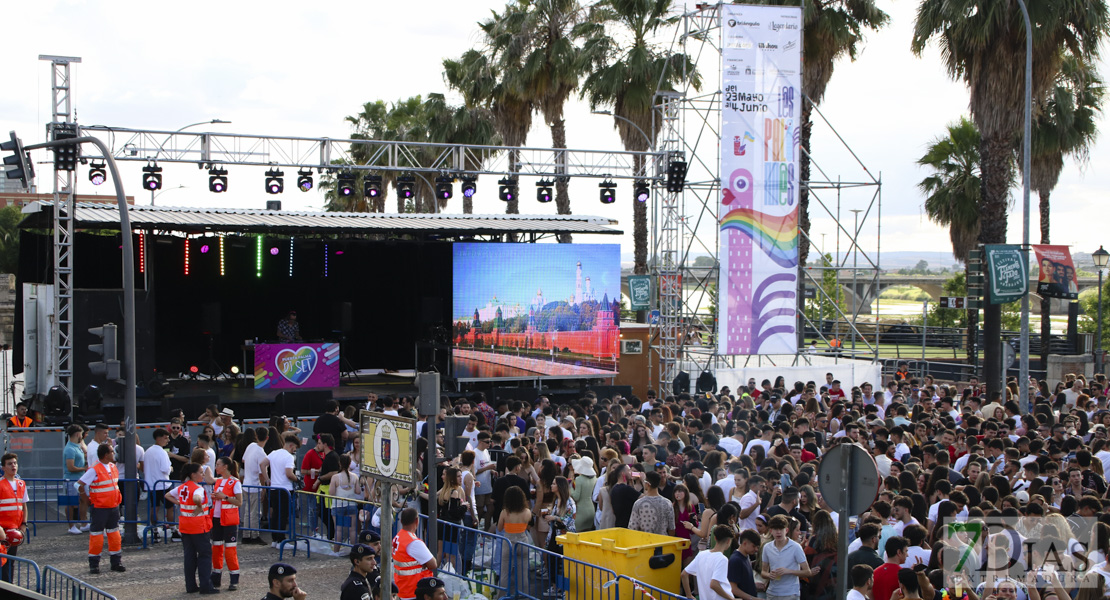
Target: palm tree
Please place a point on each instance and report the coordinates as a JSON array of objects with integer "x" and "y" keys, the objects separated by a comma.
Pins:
[
  {"x": 1064, "y": 124},
  {"x": 952, "y": 192},
  {"x": 628, "y": 70},
  {"x": 490, "y": 78},
  {"x": 540, "y": 35},
  {"x": 460, "y": 125},
  {"x": 833, "y": 29},
  {"x": 982, "y": 43}
]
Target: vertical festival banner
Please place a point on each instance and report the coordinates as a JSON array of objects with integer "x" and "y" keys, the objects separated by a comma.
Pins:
[
  {"x": 760, "y": 136},
  {"x": 1057, "y": 277}
]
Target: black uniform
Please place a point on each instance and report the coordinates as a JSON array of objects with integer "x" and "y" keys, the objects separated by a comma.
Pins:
[
  {"x": 270, "y": 596},
  {"x": 355, "y": 588}
]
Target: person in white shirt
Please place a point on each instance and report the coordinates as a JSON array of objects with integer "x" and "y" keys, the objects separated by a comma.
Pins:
[
  {"x": 157, "y": 467},
  {"x": 750, "y": 503},
  {"x": 863, "y": 577},
  {"x": 282, "y": 474},
  {"x": 100, "y": 436},
  {"x": 255, "y": 475},
  {"x": 711, "y": 569}
]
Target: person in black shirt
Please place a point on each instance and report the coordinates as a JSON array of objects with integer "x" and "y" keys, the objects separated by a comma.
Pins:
[
  {"x": 867, "y": 553},
  {"x": 788, "y": 505},
  {"x": 512, "y": 478},
  {"x": 329, "y": 422},
  {"x": 621, "y": 494},
  {"x": 328, "y": 469},
  {"x": 178, "y": 449},
  {"x": 740, "y": 573},
  {"x": 283, "y": 583}
]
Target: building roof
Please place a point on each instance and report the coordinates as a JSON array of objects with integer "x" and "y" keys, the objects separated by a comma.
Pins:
[{"x": 200, "y": 220}]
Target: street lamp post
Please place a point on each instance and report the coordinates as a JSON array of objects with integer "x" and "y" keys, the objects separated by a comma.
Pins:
[
  {"x": 651, "y": 145},
  {"x": 1101, "y": 258},
  {"x": 163, "y": 144},
  {"x": 855, "y": 270}
]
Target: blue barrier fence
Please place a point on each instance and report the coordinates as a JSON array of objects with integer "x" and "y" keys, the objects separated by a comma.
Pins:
[
  {"x": 325, "y": 519},
  {"x": 630, "y": 589},
  {"x": 163, "y": 515},
  {"x": 60, "y": 586},
  {"x": 25, "y": 573}
]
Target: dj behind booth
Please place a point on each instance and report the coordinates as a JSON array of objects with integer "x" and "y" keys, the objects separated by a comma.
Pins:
[{"x": 291, "y": 362}]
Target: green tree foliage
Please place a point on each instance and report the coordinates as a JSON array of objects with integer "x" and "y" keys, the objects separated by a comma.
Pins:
[
  {"x": 10, "y": 216},
  {"x": 830, "y": 296}
]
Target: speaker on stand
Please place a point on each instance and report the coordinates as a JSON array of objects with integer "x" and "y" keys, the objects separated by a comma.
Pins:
[
  {"x": 342, "y": 319},
  {"x": 210, "y": 326}
]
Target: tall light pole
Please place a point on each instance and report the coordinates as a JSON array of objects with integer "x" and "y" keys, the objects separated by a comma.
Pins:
[
  {"x": 1023, "y": 368},
  {"x": 651, "y": 145},
  {"x": 1101, "y": 258},
  {"x": 158, "y": 152}
]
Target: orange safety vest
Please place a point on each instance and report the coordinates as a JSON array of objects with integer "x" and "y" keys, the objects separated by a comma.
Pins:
[
  {"x": 229, "y": 513},
  {"x": 407, "y": 572},
  {"x": 11, "y": 504},
  {"x": 187, "y": 522},
  {"x": 15, "y": 421},
  {"x": 104, "y": 492}
]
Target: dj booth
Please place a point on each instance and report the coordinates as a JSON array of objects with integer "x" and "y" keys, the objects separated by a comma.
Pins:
[{"x": 295, "y": 365}]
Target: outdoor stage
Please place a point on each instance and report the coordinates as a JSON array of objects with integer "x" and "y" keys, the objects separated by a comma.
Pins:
[{"x": 213, "y": 282}]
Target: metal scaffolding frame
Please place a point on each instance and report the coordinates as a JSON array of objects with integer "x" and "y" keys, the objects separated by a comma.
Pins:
[
  {"x": 684, "y": 334},
  {"x": 62, "y": 325}
]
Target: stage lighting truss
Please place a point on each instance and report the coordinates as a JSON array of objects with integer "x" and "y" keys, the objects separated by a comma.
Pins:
[
  {"x": 469, "y": 186},
  {"x": 371, "y": 186},
  {"x": 152, "y": 177},
  {"x": 345, "y": 184},
  {"x": 445, "y": 187},
  {"x": 275, "y": 184},
  {"x": 608, "y": 192},
  {"x": 543, "y": 190},
  {"x": 304, "y": 180},
  {"x": 641, "y": 190},
  {"x": 217, "y": 180},
  {"x": 97, "y": 174},
  {"x": 507, "y": 189},
  {"x": 406, "y": 186}
]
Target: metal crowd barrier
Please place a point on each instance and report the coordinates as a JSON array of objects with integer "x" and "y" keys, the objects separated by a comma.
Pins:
[
  {"x": 313, "y": 524},
  {"x": 478, "y": 557},
  {"x": 552, "y": 572},
  {"x": 48, "y": 499},
  {"x": 249, "y": 521},
  {"x": 25, "y": 572},
  {"x": 630, "y": 589},
  {"x": 60, "y": 586}
]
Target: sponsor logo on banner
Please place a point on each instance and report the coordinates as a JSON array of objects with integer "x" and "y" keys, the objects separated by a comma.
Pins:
[{"x": 760, "y": 183}]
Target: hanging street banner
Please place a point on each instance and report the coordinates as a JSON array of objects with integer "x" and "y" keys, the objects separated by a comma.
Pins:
[
  {"x": 760, "y": 135},
  {"x": 639, "y": 292},
  {"x": 1057, "y": 278},
  {"x": 1007, "y": 273}
]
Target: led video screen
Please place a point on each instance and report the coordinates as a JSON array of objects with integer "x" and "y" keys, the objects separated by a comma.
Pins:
[{"x": 524, "y": 311}]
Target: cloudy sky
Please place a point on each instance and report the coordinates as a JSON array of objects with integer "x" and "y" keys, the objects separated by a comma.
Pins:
[{"x": 282, "y": 68}]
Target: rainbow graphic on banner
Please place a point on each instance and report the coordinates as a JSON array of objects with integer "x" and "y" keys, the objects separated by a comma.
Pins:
[{"x": 777, "y": 236}]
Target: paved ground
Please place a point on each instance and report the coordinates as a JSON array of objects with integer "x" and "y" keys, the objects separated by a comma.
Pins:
[{"x": 158, "y": 572}]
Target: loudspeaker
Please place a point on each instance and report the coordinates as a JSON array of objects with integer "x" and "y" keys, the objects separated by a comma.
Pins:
[
  {"x": 682, "y": 383},
  {"x": 342, "y": 317},
  {"x": 210, "y": 318},
  {"x": 273, "y": 205},
  {"x": 301, "y": 403}
]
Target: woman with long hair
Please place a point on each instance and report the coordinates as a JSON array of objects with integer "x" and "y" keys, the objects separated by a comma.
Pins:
[
  {"x": 758, "y": 453},
  {"x": 452, "y": 506},
  {"x": 693, "y": 486},
  {"x": 585, "y": 478},
  {"x": 608, "y": 518},
  {"x": 686, "y": 519},
  {"x": 227, "y": 498},
  {"x": 245, "y": 439},
  {"x": 200, "y": 457},
  {"x": 513, "y": 525},
  {"x": 714, "y": 502},
  {"x": 225, "y": 441},
  {"x": 348, "y": 485},
  {"x": 544, "y": 500},
  {"x": 807, "y": 502}
]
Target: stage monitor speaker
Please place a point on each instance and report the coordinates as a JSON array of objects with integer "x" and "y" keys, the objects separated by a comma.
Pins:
[
  {"x": 301, "y": 403},
  {"x": 342, "y": 317},
  {"x": 210, "y": 318}
]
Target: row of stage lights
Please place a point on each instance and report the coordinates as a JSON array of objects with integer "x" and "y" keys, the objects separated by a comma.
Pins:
[{"x": 508, "y": 188}]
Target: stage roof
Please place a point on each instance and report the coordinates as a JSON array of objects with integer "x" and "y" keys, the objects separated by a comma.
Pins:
[{"x": 241, "y": 220}]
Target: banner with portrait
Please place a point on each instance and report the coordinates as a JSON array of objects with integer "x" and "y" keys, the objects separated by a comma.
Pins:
[
  {"x": 760, "y": 136},
  {"x": 1057, "y": 278}
]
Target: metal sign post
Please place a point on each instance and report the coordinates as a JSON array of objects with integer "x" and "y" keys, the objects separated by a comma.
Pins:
[
  {"x": 428, "y": 384},
  {"x": 849, "y": 483},
  {"x": 389, "y": 457}
]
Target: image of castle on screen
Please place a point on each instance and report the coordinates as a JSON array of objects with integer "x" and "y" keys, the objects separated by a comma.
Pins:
[{"x": 535, "y": 310}]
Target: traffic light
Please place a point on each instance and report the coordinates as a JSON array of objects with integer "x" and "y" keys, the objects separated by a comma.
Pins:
[
  {"x": 108, "y": 365},
  {"x": 975, "y": 280},
  {"x": 454, "y": 441},
  {"x": 23, "y": 169},
  {"x": 65, "y": 157}
]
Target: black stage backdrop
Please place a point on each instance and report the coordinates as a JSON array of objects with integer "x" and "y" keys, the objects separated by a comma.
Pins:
[{"x": 382, "y": 297}]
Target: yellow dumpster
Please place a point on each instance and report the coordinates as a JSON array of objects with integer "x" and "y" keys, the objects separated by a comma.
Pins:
[{"x": 646, "y": 557}]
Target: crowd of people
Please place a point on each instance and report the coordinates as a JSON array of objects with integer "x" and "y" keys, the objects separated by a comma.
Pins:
[{"x": 732, "y": 472}]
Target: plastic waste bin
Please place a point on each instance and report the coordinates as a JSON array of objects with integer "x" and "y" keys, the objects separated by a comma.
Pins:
[{"x": 646, "y": 557}]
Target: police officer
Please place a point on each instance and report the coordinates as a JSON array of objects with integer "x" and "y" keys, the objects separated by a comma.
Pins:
[
  {"x": 283, "y": 583},
  {"x": 357, "y": 586},
  {"x": 376, "y": 590},
  {"x": 431, "y": 588}
]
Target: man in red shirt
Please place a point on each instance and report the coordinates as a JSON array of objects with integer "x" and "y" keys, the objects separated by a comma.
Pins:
[
  {"x": 835, "y": 392},
  {"x": 311, "y": 467},
  {"x": 886, "y": 576}
]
